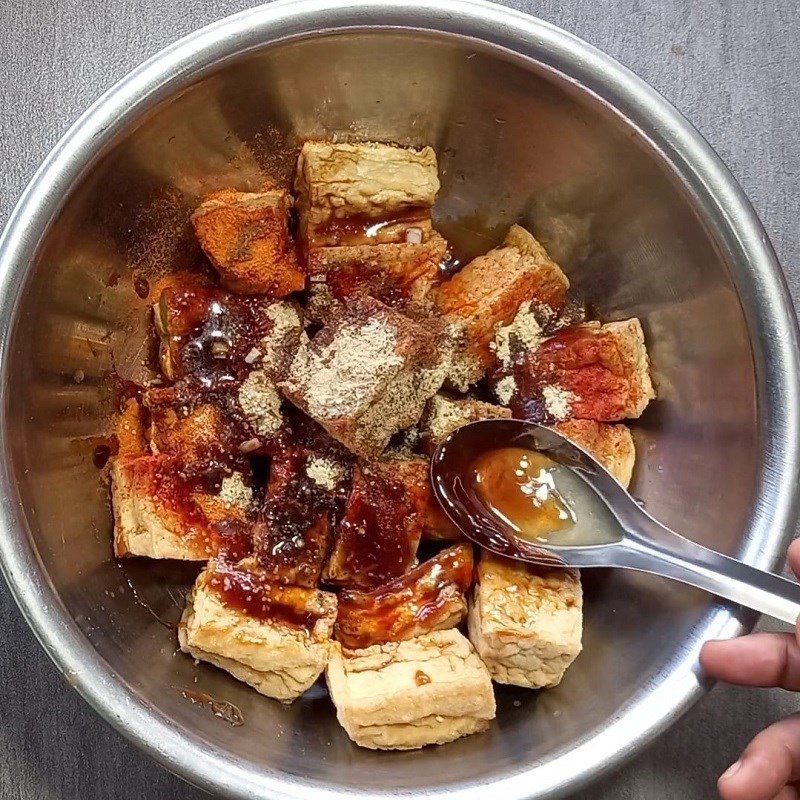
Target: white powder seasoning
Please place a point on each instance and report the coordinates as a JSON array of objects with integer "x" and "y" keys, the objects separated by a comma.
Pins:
[
  {"x": 324, "y": 472},
  {"x": 341, "y": 378},
  {"x": 261, "y": 403},
  {"x": 557, "y": 401},
  {"x": 504, "y": 389},
  {"x": 285, "y": 322},
  {"x": 234, "y": 491},
  {"x": 444, "y": 416},
  {"x": 521, "y": 335}
]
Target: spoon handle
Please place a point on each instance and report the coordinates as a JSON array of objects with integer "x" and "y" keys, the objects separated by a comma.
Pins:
[{"x": 726, "y": 577}]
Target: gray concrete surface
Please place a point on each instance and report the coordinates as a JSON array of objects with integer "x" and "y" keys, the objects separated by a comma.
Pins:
[{"x": 730, "y": 66}]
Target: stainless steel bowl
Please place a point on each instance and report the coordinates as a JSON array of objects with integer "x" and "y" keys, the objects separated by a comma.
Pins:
[{"x": 531, "y": 124}]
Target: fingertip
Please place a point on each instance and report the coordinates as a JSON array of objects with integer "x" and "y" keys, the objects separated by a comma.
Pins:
[
  {"x": 711, "y": 652},
  {"x": 727, "y": 786}
]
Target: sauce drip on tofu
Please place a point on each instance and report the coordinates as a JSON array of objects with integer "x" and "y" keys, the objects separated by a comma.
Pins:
[
  {"x": 379, "y": 533},
  {"x": 247, "y": 591},
  {"x": 428, "y": 597},
  {"x": 519, "y": 486},
  {"x": 358, "y": 229},
  {"x": 208, "y": 333}
]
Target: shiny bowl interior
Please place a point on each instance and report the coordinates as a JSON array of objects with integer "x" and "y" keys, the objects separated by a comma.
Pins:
[{"x": 530, "y": 125}]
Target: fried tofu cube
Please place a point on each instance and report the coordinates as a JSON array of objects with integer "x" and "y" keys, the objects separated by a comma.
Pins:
[
  {"x": 590, "y": 371},
  {"x": 129, "y": 428},
  {"x": 404, "y": 695},
  {"x": 366, "y": 375},
  {"x": 246, "y": 237},
  {"x": 611, "y": 445},
  {"x": 378, "y": 535},
  {"x": 444, "y": 414},
  {"x": 354, "y": 193},
  {"x": 207, "y": 334},
  {"x": 413, "y": 473},
  {"x": 158, "y": 513},
  {"x": 488, "y": 292},
  {"x": 274, "y": 638},
  {"x": 402, "y": 275},
  {"x": 428, "y": 598},
  {"x": 525, "y": 622}
]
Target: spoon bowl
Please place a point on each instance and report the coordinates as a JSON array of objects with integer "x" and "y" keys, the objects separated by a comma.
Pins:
[{"x": 627, "y": 536}]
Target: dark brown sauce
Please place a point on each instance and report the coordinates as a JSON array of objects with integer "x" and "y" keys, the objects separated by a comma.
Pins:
[
  {"x": 409, "y": 604},
  {"x": 211, "y": 333},
  {"x": 249, "y": 592},
  {"x": 141, "y": 286},
  {"x": 518, "y": 486},
  {"x": 378, "y": 535},
  {"x": 451, "y": 264},
  {"x": 294, "y": 531},
  {"x": 358, "y": 229},
  {"x": 219, "y": 708},
  {"x": 100, "y": 455},
  {"x": 235, "y": 539}
]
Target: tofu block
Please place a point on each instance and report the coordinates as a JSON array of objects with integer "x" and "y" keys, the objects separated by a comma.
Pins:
[
  {"x": 354, "y": 193},
  {"x": 488, "y": 292},
  {"x": 207, "y": 334},
  {"x": 428, "y": 598},
  {"x": 413, "y": 473},
  {"x": 404, "y": 695},
  {"x": 525, "y": 622},
  {"x": 246, "y": 237},
  {"x": 293, "y": 535},
  {"x": 158, "y": 513},
  {"x": 366, "y": 375},
  {"x": 188, "y": 433},
  {"x": 378, "y": 535},
  {"x": 611, "y": 445},
  {"x": 444, "y": 414},
  {"x": 402, "y": 275},
  {"x": 130, "y": 430},
  {"x": 274, "y": 638},
  {"x": 590, "y": 371}
]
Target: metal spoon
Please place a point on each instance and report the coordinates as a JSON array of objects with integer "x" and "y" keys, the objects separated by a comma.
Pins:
[{"x": 641, "y": 542}]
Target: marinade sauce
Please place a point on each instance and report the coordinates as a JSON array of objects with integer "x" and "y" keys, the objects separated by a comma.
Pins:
[{"x": 541, "y": 500}]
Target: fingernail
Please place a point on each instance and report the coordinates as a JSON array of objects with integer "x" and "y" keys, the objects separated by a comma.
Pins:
[{"x": 731, "y": 771}]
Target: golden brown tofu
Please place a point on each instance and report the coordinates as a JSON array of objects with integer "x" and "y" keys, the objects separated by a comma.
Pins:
[
  {"x": 402, "y": 275},
  {"x": 246, "y": 237},
  {"x": 487, "y": 293},
  {"x": 350, "y": 194},
  {"x": 129, "y": 429},
  {"x": 274, "y": 638},
  {"x": 404, "y": 695},
  {"x": 590, "y": 371},
  {"x": 366, "y": 375},
  {"x": 160, "y": 513},
  {"x": 444, "y": 414},
  {"x": 525, "y": 622},
  {"x": 428, "y": 598},
  {"x": 611, "y": 445}
]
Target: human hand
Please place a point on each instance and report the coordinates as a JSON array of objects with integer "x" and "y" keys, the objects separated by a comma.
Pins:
[{"x": 769, "y": 768}]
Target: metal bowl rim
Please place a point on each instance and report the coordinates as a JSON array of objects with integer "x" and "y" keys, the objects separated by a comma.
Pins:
[{"x": 755, "y": 272}]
